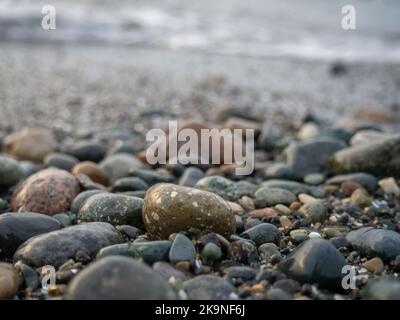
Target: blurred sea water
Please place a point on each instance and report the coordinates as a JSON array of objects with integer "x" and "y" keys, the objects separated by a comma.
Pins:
[{"x": 256, "y": 28}]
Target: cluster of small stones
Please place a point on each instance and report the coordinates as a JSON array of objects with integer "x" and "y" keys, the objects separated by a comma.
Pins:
[{"x": 322, "y": 197}]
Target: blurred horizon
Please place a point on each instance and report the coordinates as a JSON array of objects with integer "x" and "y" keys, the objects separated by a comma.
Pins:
[{"x": 307, "y": 29}]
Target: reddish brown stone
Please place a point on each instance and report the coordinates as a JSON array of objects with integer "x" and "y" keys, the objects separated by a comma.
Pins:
[
  {"x": 348, "y": 187},
  {"x": 375, "y": 115},
  {"x": 93, "y": 171},
  {"x": 49, "y": 191}
]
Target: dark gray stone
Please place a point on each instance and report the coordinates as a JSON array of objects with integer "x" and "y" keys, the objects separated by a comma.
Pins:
[
  {"x": 368, "y": 181},
  {"x": 129, "y": 184},
  {"x": 182, "y": 249},
  {"x": 376, "y": 242},
  {"x": 60, "y": 160},
  {"x": 382, "y": 289},
  {"x": 221, "y": 186},
  {"x": 380, "y": 158},
  {"x": 119, "y": 278},
  {"x": 119, "y": 165},
  {"x": 56, "y": 247},
  {"x": 310, "y": 156},
  {"x": 167, "y": 271},
  {"x": 116, "y": 209},
  {"x": 315, "y": 261},
  {"x": 80, "y": 199},
  {"x": 87, "y": 150},
  {"x": 17, "y": 227},
  {"x": 207, "y": 287},
  {"x": 190, "y": 176},
  {"x": 149, "y": 252},
  {"x": 292, "y": 186}
]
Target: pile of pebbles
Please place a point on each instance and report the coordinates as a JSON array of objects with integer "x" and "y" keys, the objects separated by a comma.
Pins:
[{"x": 322, "y": 197}]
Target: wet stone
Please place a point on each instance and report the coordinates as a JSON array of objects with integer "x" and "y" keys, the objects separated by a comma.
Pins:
[
  {"x": 93, "y": 171},
  {"x": 243, "y": 251},
  {"x": 376, "y": 242},
  {"x": 382, "y": 289},
  {"x": 274, "y": 196},
  {"x": 368, "y": 181},
  {"x": 262, "y": 233},
  {"x": 315, "y": 261},
  {"x": 60, "y": 160},
  {"x": 17, "y": 227},
  {"x": 191, "y": 176},
  {"x": 310, "y": 156},
  {"x": 171, "y": 208},
  {"x": 314, "y": 211},
  {"x": 298, "y": 236},
  {"x": 152, "y": 177},
  {"x": 361, "y": 198},
  {"x": 30, "y": 276},
  {"x": 149, "y": 252},
  {"x": 56, "y": 247},
  {"x": 239, "y": 274},
  {"x": 49, "y": 191},
  {"x": 182, "y": 249},
  {"x": 219, "y": 185},
  {"x": 211, "y": 253},
  {"x": 119, "y": 165},
  {"x": 245, "y": 188},
  {"x": 314, "y": 178},
  {"x": 378, "y": 158},
  {"x": 207, "y": 287},
  {"x": 30, "y": 144},
  {"x": 129, "y": 184},
  {"x": 80, "y": 199},
  {"x": 10, "y": 281},
  {"x": 10, "y": 172},
  {"x": 126, "y": 279},
  {"x": 116, "y": 209},
  {"x": 168, "y": 271},
  {"x": 292, "y": 186},
  {"x": 65, "y": 219},
  {"x": 87, "y": 150},
  {"x": 279, "y": 171},
  {"x": 129, "y": 231}
]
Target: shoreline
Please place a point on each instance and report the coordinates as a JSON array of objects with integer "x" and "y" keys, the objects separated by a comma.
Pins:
[{"x": 72, "y": 88}]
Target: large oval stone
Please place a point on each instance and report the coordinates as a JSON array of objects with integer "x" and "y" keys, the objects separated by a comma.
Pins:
[
  {"x": 78, "y": 242},
  {"x": 17, "y": 227},
  {"x": 170, "y": 208},
  {"x": 315, "y": 261},
  {"x": 119, "y": 278},
  {"x": 49, "y": 191},
  {"x": 116, "y": 209}
]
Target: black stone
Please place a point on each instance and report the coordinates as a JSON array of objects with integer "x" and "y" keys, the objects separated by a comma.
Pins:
[
  {"x": 17, "y": 227},
  {"x": 315, "y": 261}
]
